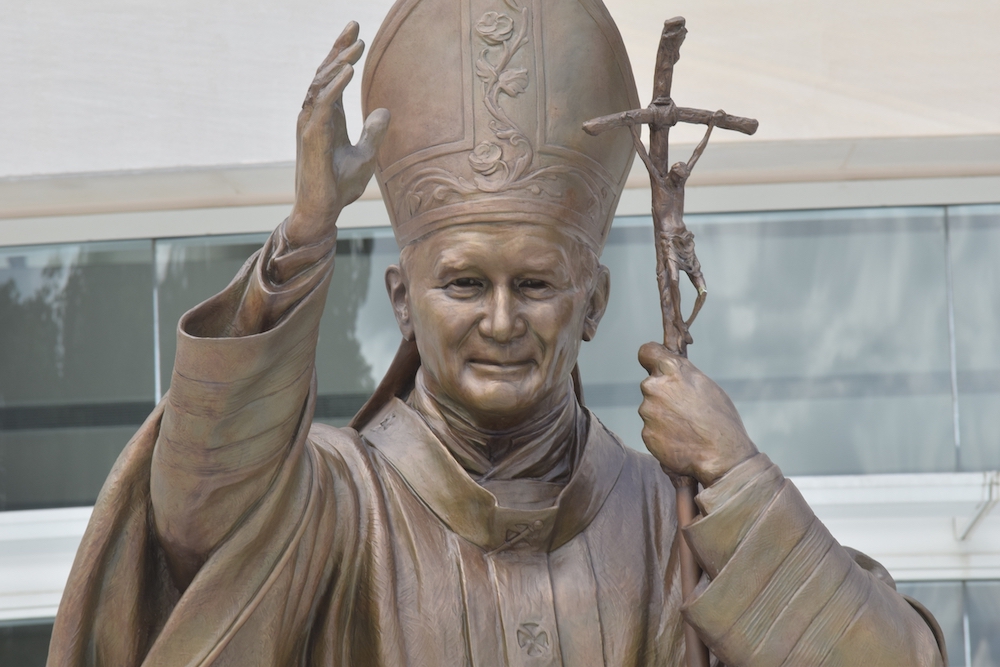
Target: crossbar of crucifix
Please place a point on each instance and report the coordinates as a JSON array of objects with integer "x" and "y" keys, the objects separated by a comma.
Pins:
[{"x": 674, "y": 247}]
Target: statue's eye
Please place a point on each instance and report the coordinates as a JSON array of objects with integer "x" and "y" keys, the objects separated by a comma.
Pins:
[
  {"x": 464, "y": 287},
  {"x": 532, "y": 285}
]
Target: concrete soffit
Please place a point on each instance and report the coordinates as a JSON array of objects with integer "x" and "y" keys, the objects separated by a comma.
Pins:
[{"x": 740, "y": 175}]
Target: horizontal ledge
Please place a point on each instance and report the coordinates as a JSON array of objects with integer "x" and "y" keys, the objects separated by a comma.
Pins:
[
  {"x": 134, "y": 413},
  {"x": 856, "y": 385},
  {"x": 749, "y": 162},
  {"x": 887, "y": 496},
  {"x": 41, "y": 614},
  {"x": 745, "y": 162},
  {"x": 371, "y": 213}
]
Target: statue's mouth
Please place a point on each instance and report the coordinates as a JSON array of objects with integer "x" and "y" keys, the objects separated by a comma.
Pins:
[{"x": 500, "y": 365}]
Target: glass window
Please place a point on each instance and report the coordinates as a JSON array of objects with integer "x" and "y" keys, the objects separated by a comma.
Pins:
[
  {"x": 969, "y": 615},
  {"x": 828, "y": 329},
  {"x": 25, "y": 643},
  {"x": 358, "y": 333},
  {"x": 75, "y": 373},
  {"x": 188, "y": 271},
  {"x": 944, "y": 600},
  {"x": 983, "y": 601},
  {"x": 975, "y": 249}
]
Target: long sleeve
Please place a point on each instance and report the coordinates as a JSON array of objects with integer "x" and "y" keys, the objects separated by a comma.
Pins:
[
  {"x": 243, "y": 371},
  {"x": 782, "y": 591}
]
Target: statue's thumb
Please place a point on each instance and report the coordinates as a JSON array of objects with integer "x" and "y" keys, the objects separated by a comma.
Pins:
[
  {"x": 656, "y": 359},
  {"x": 372, "y": 134}
]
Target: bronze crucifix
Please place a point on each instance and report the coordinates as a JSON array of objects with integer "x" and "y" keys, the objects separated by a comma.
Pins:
[{"x": 674, "y": 244}]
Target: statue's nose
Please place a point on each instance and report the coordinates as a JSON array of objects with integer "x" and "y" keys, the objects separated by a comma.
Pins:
[{"x": 503, "y": 321}]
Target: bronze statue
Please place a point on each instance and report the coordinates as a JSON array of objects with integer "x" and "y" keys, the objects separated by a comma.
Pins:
[{"x": 475, "y": 513}]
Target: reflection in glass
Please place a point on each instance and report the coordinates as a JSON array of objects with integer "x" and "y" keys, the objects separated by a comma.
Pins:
[
  {"x": 25, "y": 643},
  {"x": 983, "y": 601},
  {"x": 188, "y": 271},
  {"x": 975, "y": 249},
  {"x": 944, "y": 600},
  {"x": 358, "y": 334},
  {"x": 65, "y": 381},
  {"x": 828, "y": 329}
]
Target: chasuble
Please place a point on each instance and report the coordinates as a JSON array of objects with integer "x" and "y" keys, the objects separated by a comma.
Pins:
[{"x": 233, "y": 531}]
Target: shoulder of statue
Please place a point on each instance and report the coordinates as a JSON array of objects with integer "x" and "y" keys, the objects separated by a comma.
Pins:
[{"x": 343, "y": 448}]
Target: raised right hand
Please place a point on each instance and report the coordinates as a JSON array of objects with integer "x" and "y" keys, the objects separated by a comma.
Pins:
[{"x": 330, "y": 172}]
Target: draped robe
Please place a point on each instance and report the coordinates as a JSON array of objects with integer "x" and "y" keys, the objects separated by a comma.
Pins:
[{"x": 235, "y": 531}]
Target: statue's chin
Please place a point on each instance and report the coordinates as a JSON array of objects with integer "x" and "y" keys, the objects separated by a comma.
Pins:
[{"x": 499, "y": 404}]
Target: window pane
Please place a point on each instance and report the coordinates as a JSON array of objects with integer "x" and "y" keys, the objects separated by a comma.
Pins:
[
  {"x": 25, "y": 643},
  {"x": 358, "y": 333},
  {"x": 983, "y": 599},
  {"x": 975, "y": 249},
  {"x": 77, "y": 337},
  {"x": 828, "y": 330},
  {"x": 944, "y": 600},
  {"x": 188, "y": 271}
]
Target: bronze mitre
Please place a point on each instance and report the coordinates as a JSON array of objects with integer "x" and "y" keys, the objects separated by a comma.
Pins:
[{"x": 488, "y": 99}]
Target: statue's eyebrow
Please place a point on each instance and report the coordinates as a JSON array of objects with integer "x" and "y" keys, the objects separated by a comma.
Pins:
[{"x": 449, "y": 261}]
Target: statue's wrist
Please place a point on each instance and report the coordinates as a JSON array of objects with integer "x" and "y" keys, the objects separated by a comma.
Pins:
[
  {"x": 305, "y": 227},
  {"x": 716, "y": 469}
]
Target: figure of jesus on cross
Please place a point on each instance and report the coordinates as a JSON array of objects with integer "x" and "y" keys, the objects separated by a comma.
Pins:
[{"x": 674, "y": 245}]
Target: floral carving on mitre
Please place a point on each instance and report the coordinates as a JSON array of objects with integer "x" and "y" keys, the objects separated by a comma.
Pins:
[
  {"x": 513, "y": 81},
  {"x": 505, "y": 163},
  {"x": 486, "y": 158},
  {"x": 495, "y": 28}
]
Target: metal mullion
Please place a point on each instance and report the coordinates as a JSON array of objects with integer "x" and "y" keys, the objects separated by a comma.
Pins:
[
  {"x": 157, "y": 379},
  {"x": 952, "y": 348}
]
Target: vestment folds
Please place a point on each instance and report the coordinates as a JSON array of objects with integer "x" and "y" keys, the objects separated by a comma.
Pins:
[{"x": 235, "y": 531}]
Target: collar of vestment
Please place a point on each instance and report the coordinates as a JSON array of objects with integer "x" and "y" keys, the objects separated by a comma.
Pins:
[
  {"x": 471, "y": 511},
  {"x": 543, "y": 450}
]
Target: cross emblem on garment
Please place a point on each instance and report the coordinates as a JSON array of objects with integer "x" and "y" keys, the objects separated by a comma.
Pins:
[{"x": 532, "y": 639}]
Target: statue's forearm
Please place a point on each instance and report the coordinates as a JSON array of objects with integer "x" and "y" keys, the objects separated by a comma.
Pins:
[
  {"x": 244, "y": 367},
  {"x": 783, "y": 591}
]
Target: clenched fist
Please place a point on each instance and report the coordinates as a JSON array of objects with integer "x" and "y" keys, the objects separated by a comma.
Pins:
[{"x": 690, "y": 425}]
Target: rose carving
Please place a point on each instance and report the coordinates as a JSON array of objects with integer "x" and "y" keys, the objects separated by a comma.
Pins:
[
  {"x": 495, "y": 28},
  {"x": 486, "y": 158}
]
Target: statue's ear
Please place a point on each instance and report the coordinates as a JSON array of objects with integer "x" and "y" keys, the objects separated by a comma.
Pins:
[
  {"x": 395, "y": 285},
  {"x": 598, "y": 302}
]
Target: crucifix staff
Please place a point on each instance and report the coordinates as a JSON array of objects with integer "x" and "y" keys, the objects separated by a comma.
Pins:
[{"x": 674, "y": 248}]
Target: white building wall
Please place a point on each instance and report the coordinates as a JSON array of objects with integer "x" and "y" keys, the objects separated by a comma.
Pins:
[{"x": 108, "y": 85}]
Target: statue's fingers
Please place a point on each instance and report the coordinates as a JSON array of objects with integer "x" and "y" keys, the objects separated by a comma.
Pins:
[
  {"x": 347, "y": 48},
  {"x": 351, "y": 54},
  {"x": 348, "y": 57},
  {"x": 328, "y": 99},
  {"x": 347, "y": 37}
]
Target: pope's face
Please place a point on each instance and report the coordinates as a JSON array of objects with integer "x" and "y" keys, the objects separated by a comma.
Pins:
[{"x": 498, "y": 313}]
